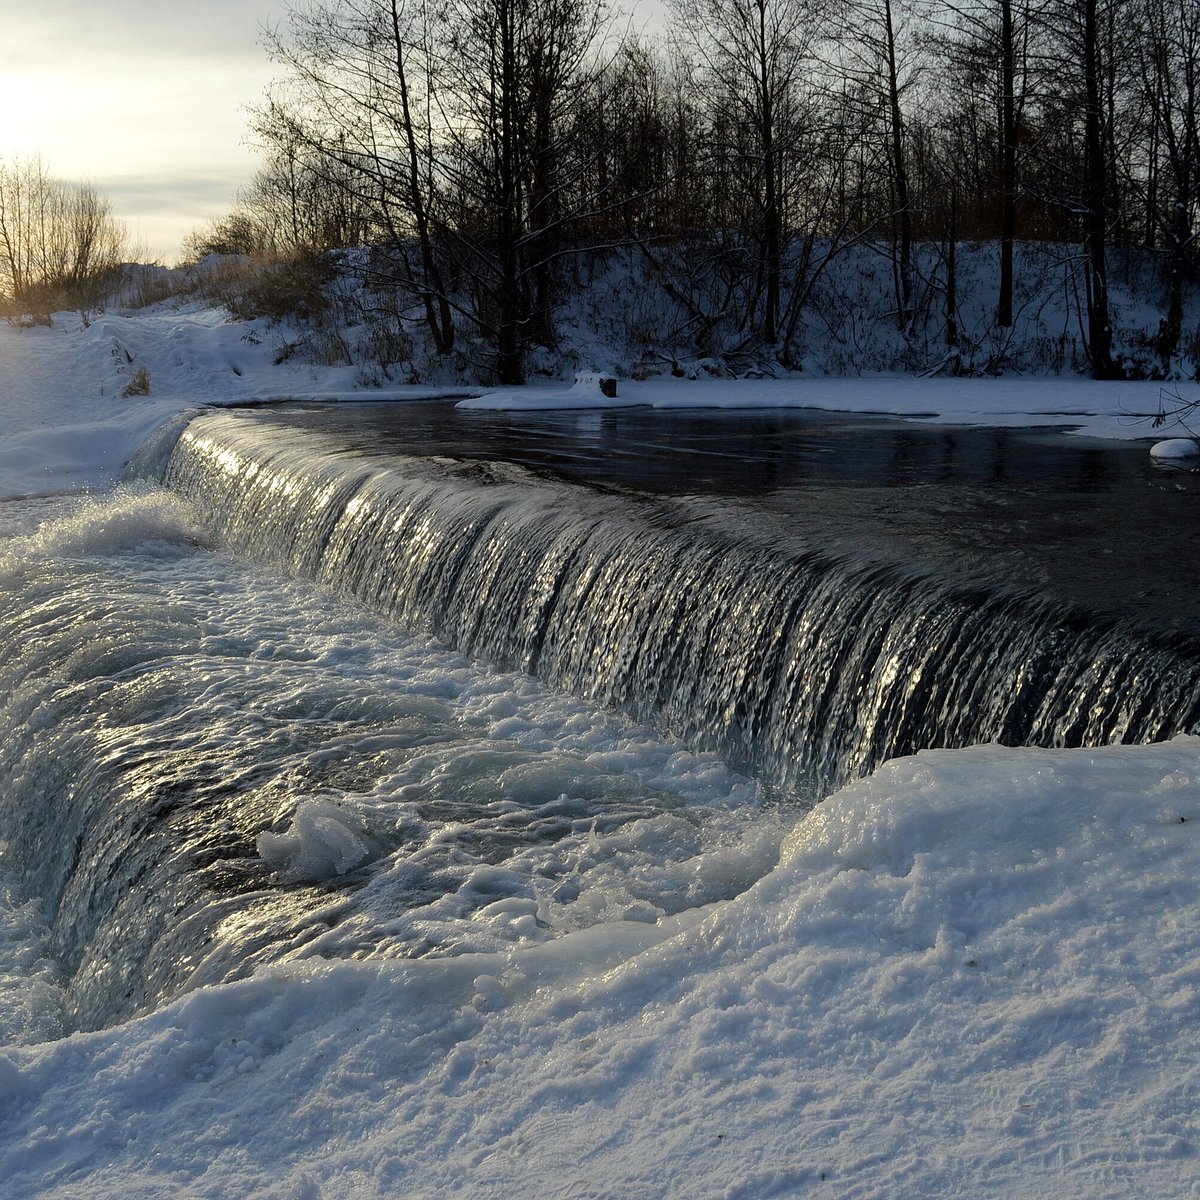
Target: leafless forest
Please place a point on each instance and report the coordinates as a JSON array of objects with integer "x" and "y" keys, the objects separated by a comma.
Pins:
[{"x": 476, "y": 154}]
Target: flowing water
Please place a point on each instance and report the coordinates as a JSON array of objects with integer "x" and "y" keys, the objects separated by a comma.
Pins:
[{"x": 314, "y": 698}]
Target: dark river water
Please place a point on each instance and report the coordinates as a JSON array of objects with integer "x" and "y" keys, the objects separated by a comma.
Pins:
[{"x": 1095, "y": 523}]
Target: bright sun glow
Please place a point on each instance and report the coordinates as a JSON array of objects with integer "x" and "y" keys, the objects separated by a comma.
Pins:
[
  {"x": 30, "y": 112},
  {"x": 166, "y": 143}
]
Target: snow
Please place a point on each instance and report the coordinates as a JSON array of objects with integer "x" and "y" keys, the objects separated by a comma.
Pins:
[
  {"x": 66, "y": 422},
  {"x": 1175, "y": 448},
  {"x": 588, "y": 391},
  {"x": 1113, "y": 410},
  {"x": 974, "y": 973}
]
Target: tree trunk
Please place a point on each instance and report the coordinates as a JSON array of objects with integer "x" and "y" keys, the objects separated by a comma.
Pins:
[
  {"x": 952, "y": 271},
  {"x": 899, "y": 170},
  {"x": 1008, "y": 219},
  {"x": 772, "y": 216},
  {"x": 509, "y": 359},
  {"x": 1096, "y": 219},
  {"x": 433, "y": 297}
]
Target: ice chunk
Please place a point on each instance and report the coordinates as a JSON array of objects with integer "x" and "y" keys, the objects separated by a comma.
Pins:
[
  {"x": 1175, "y": 448},
  {"x": 324, "y": 840}
]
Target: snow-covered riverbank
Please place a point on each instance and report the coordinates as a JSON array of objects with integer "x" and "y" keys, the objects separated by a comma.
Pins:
[
  {"x": 975, "y": 973},
  {"x": 66, "y": 422}
]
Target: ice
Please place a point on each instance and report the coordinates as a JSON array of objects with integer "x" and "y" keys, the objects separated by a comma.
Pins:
[{"x": 323, "y": 840}]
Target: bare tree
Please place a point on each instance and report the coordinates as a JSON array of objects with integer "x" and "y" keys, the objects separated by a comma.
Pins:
[
  {"x": 1168, "y": 76},
  {"x": 985, "y": 45},
  {"x": 754, "y": 58},
  {"x": 459, "y": 128},
  {"x": 482, "y": 150},
  {"x": 361, "y": 104},
  {"x": 59, "y": 243},
  {"x": 878, "y": 55},
  {"x": 519, "y": 181},
  {"x": 1078, "y": 111}
]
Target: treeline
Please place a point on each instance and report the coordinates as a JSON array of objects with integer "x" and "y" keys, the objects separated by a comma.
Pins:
[
  {"x": 60, "y": 246},
  {"x": 482, "y": 148}
]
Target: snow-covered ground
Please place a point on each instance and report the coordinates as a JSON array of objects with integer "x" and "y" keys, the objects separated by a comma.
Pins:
[
  {"x": 66, "y": 423},
  {"x": 976, "y": 973},
  {"x": 1116, "y": 410}
]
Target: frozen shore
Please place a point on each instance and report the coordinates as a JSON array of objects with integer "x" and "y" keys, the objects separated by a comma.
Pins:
[{"x": 975, "y": 973}]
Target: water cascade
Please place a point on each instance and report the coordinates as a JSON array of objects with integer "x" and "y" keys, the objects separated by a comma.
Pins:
[
  {"x": 207, "y": 765},
  {"x": 802, "y": 670}
]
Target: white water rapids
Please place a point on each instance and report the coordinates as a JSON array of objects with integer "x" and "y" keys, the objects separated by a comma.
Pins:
[{"x": 208, "y": 766}]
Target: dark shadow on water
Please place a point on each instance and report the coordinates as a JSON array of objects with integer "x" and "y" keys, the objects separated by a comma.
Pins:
[
  {"x": 720, "y": 452},
  {"x": 1096, "y": 523}
]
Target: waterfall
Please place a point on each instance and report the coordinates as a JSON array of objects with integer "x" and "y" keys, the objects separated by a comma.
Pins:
[
  {"x": 206, "y": 766},
  {"x": 799, "y": 668}
]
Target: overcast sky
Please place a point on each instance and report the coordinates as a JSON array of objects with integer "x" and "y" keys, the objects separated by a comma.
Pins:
[{"x": 146, "y": 98}]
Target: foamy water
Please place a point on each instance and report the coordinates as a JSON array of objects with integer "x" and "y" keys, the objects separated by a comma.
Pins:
[
  {"x": 494, "y": 942},
  {"x": 251, "y": 772}
]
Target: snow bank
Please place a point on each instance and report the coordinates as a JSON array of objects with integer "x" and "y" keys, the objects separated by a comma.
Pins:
[
  {"x": 972, "y": 974},
  {"x": 71, "y": 414},
  {"x": 1174, "y": 448},
  {"x": 588, "y": 391},
  {"x": 1115, "y": 410},
  {"x": 82, "y": 454}
]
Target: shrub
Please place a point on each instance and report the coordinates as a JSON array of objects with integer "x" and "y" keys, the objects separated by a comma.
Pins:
[{"x": 139, "y": 384}]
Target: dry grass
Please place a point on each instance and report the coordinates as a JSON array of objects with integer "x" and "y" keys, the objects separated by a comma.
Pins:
[{"x": 139, "y": 384}]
